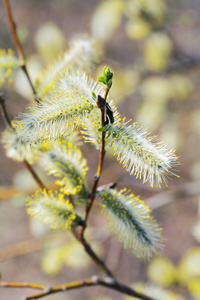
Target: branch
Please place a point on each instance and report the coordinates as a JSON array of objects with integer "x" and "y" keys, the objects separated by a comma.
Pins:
[
  {"x": 101, "y": 103},
  {"x": 23, "y": 285},
  {"x": 48, "y": 290},
  {"x": 18, "y": 46},
  {"x": 4, "y": 111},
  {"x": 34, "y": 175}
]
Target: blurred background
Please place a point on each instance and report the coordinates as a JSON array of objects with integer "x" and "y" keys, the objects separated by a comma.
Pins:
[{"x": 153, "y": 49}]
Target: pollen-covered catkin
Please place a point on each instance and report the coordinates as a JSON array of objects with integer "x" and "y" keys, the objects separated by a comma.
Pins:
[
  {"x": 130, "y": 220},
  {"x": 141, "y": 154},
  {"x": 52, "y": 209}
]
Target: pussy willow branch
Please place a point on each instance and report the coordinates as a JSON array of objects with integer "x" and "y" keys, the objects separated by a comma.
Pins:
[
  {"x": 48, "y": 290},
  {"x": 89, "y": 282},
  {"x": 86, "y": 246},
  {"x": 18, "y": 46},
  {"x": 7, "y": 122},
  {"x": 100, "y": 165}
]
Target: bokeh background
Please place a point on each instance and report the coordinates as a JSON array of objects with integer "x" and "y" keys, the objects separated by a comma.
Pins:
[{"x": 154, "y": 51}]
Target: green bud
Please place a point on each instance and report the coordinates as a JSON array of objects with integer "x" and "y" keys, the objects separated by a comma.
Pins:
[{"x": 107, "y": 77}]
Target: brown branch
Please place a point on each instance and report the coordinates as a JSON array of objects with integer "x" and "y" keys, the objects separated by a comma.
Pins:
[
  {"x": 4, "y": 113},
  {"x": 34, "y": 175},
  {"x": 95, "y": 258},
  {"x": 23, "y": 285},
  {"x": 13, "y": 30},
  {"x": 101, "y": 103},
  {"x": 47, "y": 290},
  {"x": 18, "y": 46}
]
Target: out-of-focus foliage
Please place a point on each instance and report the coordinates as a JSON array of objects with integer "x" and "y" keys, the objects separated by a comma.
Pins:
[
  {"x": 107, "y": 18},
  {"x": 8, "y": 63},
  {"x": 185, "y": 275},
  {"x": 142, "y": 17},
  {"x": 189, "y": 266},
  {"x": 50, "y": 41},
  {"x": 18, "y": 150},
  {"x": 70, "y": 254},
  {"x": 128, "y": 78},
  {"x": 155, "y": 88},
  {"x": 20, "y": 82},
  {"x": 157, "y": 50},
  {"x": 162, "y": 272}
]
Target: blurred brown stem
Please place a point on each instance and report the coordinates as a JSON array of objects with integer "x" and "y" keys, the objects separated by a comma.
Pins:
[
  {"x": 4, "y": 113},
  {"x": 18, "y": 46},
  {"x": 48, "y": 290},
  {"x": 34, "y": 175}
]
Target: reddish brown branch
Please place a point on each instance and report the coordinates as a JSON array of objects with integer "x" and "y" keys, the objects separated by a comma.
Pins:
[
  {"x": 47, "y": 290},
  {"x": 95, "y": 258},
  {"x": 101, "y": 103},
  {"x": 18, "y": 46},
  {"x": 4, "y": 113},
  {"x": 34, "y": 175},
  {"x": 13, "y": 30}
]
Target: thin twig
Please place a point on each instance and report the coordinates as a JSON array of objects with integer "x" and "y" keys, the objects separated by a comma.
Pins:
[
  {"x": 101, "y": 160},
  {"x": 47, "y": 290},
  {"x": 95, "y": 258},
  {"x": 88, "y": 249},
  {"x": 101, "y": 265},
  {"x": 18, "y": 46},
  {"x": 23, "y": 285},
  {"x": 4, "y": 113},
  {"x": 34, "y": 175}
]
